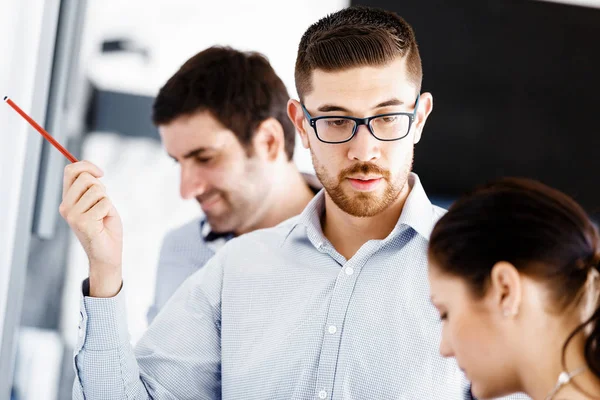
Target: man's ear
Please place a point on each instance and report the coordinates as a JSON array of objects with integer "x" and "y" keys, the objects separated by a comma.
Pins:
[
  {"x": 269, "y": 139},
  {"x": 296, "y": 114},
  {"x": 425, "y": 107}
]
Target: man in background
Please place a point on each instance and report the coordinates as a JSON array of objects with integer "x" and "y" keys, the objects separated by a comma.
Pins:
[{"x": 223, "y": 118}]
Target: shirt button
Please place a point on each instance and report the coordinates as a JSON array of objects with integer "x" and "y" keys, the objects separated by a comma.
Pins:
[
  {"x": 322, "y": 394},
  {"x": 349, "y": 270},
  {"x": 332, "y": 329},
  {"x": 80, "y": 332}
]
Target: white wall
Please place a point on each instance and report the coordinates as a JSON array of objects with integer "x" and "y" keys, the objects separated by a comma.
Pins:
[{"x": 21, "y": 23}]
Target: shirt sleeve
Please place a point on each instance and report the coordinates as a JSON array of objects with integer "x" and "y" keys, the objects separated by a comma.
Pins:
[{"x": 179, "y": 357}]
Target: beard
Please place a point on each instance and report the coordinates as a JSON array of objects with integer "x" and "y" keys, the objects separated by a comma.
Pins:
[{"x": 363, "y": 204}]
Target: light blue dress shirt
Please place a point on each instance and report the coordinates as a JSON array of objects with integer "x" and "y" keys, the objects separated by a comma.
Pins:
[
  {"x": 186, "y": 249},
  {"x": 280, "y": 314}
]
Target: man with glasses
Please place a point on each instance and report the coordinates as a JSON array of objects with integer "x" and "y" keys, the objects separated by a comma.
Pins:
[{"x": 332, "y": 304}]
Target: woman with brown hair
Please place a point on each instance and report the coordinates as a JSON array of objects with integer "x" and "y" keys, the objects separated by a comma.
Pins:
[{"x": 514, "y": 273}]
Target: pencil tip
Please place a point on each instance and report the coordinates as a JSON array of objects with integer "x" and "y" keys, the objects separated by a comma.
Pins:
[{"x": 5, "y": 97}]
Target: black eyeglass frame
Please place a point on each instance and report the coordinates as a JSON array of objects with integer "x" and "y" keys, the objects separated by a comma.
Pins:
[{"x": 361, "y": 121}]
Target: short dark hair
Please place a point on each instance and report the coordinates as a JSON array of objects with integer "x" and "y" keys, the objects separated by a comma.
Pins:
[
  {"x": 544, "y": 233},
  {"x": 240, "y": 89},
  {"x": 353, "y": 37}
]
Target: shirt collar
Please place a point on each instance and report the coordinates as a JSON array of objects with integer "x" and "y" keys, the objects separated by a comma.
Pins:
[
  {"x": 417, "y": 213},
  {"x": 209, "y": 235}
]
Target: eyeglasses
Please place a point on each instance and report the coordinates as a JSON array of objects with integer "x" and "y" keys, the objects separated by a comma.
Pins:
[{"x": 341, "y": 129}]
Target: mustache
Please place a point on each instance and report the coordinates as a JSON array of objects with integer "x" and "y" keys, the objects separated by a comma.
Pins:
[{"x": 364, "y": 169}]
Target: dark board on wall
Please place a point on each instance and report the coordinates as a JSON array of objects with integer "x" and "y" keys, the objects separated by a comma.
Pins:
[{"x": 516, "y": 87}]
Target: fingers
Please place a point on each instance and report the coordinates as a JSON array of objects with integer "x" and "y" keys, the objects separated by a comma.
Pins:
[
  {"x": 72, "y": 172},
  {"x": 81, "y": 190},
  {"x": 90, "y": 198},
  {"x": 101, "y": 209},
  {"x": 81, "y": 185},
  {"x": 78, "y": 214}
]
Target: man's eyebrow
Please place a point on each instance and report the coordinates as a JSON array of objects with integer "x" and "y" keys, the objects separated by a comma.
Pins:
[
  {"x": 334, "y": 107},
  {"x": 193, "y": 153},
  {"x": 196, "y": 152},
  {"x": 391, "y": 102}
]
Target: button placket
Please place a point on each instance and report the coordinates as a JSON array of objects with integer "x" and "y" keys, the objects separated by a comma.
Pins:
[{"x": 340, "y": 300}]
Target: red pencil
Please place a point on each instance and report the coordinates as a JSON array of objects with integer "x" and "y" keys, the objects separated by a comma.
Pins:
[{"x": 41, "y": 130}]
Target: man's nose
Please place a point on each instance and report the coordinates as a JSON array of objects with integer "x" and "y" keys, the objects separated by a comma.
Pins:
[
  {"x": 192, "y": 184},
  {"x": 364, "y": 146}
]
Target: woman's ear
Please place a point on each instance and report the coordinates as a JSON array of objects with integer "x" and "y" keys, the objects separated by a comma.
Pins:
[
  {"x": 296, "y": 114},
  {"x": 592, "y": 289},
  {"x": 506, "y": 289}
]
